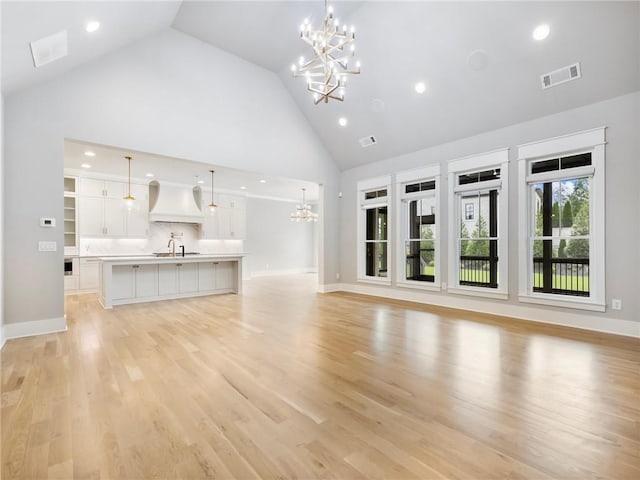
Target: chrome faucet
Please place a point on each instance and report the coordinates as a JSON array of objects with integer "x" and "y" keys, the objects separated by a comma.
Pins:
[{"x": 172, "y": 242}]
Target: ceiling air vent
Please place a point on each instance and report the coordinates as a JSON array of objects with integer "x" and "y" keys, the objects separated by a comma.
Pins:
[
  {"x": 367, "y": 141},
  {"x": 49, "y": 49},
  {"x": 562, "y": 75}
]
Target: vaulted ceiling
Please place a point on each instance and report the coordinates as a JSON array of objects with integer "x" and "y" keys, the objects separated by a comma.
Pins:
[{"x": 478, "y": 60}]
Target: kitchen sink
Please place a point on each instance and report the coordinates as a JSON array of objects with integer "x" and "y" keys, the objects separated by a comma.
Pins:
[{"x": 178, "y": 254}]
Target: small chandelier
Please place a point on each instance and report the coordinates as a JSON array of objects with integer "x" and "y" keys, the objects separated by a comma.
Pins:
[
  {"x": 129, "y": 199},
  {"x": 326, "y": 72},
  {"x": 212, "y": 205},
  {"x": 303, "y": 212}
]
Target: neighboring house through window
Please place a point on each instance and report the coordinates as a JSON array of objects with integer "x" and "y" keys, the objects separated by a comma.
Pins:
[
  {"x": 562, "y": 229},
  {"x": 469, "y": 210},
  {"x": 478, "y": 263}
]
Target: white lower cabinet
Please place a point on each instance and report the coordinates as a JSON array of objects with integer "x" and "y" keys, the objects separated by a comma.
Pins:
[
  {"x": 89, "y": 274},
  {"x": 207, "y": 276},
  {"x": 146, "y": 282},
  {"x": 134, "y": 281},
  {"x": 216, "y": 276},
  {"x": 187, "y": 277},
  {"x": 123, "y": 285},
  {"x": 177, "y": 278},
  {"x": 224, "y": 275}
]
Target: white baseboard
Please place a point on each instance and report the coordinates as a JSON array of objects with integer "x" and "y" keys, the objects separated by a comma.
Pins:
[
  {"x": 35, "y": 327},
  {"x": 291, "y": 271},
  {"x": 596, "y": 323},
  {"x": 2, "y": 337},
  {"x": 330, "y": 287}
]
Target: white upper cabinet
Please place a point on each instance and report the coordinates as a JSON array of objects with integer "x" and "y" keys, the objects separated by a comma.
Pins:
[
  {"x": 103, "y": 212},
  {"x": 228, "y": 221}
]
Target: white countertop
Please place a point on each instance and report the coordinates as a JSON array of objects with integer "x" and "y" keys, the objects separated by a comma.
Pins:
[{"x": 177, "y": 258}]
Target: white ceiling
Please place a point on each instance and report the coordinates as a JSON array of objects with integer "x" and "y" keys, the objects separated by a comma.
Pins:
[
  {"x": 262, "y": 32},
  {"x": 110, "y": 161},
  {"x": 399, "y": 43},
  {"x": 120, "y": 24}
]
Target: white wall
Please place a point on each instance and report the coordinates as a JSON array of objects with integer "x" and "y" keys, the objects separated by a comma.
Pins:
[
  {"x": 1, "y": 198},
  {"x": 621, "y": 116},
  {"x": 275, "y": 243},
  {"x": 168, "y": 94}
]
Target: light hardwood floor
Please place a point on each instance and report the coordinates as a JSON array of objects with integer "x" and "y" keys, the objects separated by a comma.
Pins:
[{"x": 282, "y": 382}]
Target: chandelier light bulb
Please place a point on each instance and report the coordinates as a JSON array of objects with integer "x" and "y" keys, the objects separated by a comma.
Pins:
[
  {"x": 330, "y": 9},
  {"x": 293, "y": 67}
]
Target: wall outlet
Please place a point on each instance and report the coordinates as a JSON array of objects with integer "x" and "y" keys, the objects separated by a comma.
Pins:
[
  {"x": 616, "y": 304},
  {"x": 337, "y": 276},
  {"x": 47, "y": 246}
]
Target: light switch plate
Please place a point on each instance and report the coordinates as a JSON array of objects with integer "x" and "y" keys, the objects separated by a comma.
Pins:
[{"x": 45, "y": 246}]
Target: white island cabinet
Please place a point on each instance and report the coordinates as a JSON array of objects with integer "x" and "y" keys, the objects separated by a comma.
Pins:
[{"x": 148, "y": 278}]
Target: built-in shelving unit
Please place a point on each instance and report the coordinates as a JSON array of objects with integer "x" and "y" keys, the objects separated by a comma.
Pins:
[{"x": 70, "y": 224}]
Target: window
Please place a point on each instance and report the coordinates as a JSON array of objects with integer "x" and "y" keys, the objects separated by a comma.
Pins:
[
  {"x": 418, "y": 219},
  {"x": 478, "y": 224},
  {"x": 373, "y": 230},
  {"x": 561, "y": 232}
]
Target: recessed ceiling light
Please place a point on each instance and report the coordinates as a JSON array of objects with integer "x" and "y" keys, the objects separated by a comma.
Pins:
[
  {"x": 420, "y": 87},
  {"x": 263, "y": 181},
  {"x": 342, "y": 121},
  {"x": 201, "y": 182},
  {"x": 85, "y": 165},
  {"x": 89, "y": 153},
  {"x": 243, "y": 188},
  {"x": 541, "y": 32},
  {"x": 149, "y": 175},
  {"x": 92, "y": 26}
]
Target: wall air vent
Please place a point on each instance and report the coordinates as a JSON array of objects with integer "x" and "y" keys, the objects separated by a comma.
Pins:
[
  {"x": 367, "y": 141},
  {"x": 49, "y": 49},
  {"x": 562, "y": 75}
]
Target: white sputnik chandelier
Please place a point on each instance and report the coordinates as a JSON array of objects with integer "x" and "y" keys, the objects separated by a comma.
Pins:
[
  {"x": 303, "y": 212},
  {"x": 333, "y": 50}
]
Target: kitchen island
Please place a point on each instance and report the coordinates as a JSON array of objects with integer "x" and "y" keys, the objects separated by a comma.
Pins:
[{"x": 148, "y": 278}]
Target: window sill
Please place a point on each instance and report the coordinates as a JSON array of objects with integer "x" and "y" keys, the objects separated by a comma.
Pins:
[
  {"x": 432, "y": 287},
  {"x": 375, "y": 281},
  {"x": 479, "y": 292},
  {"x": 564, "y": 302}
]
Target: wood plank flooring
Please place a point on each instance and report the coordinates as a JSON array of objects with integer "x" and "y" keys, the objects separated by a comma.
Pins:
[{"x": 282, "y": 382}]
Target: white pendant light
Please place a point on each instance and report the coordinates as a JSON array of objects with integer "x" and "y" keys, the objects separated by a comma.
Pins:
[
  {"x": 129, "y": 199},
  {"x": 212, "y": 205}
]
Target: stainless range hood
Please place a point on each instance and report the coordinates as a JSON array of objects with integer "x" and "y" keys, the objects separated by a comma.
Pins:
[{"x": 170, "y": 203}]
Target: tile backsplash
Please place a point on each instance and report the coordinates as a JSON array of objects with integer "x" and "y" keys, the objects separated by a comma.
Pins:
[{"x": 159, "y": 234}]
